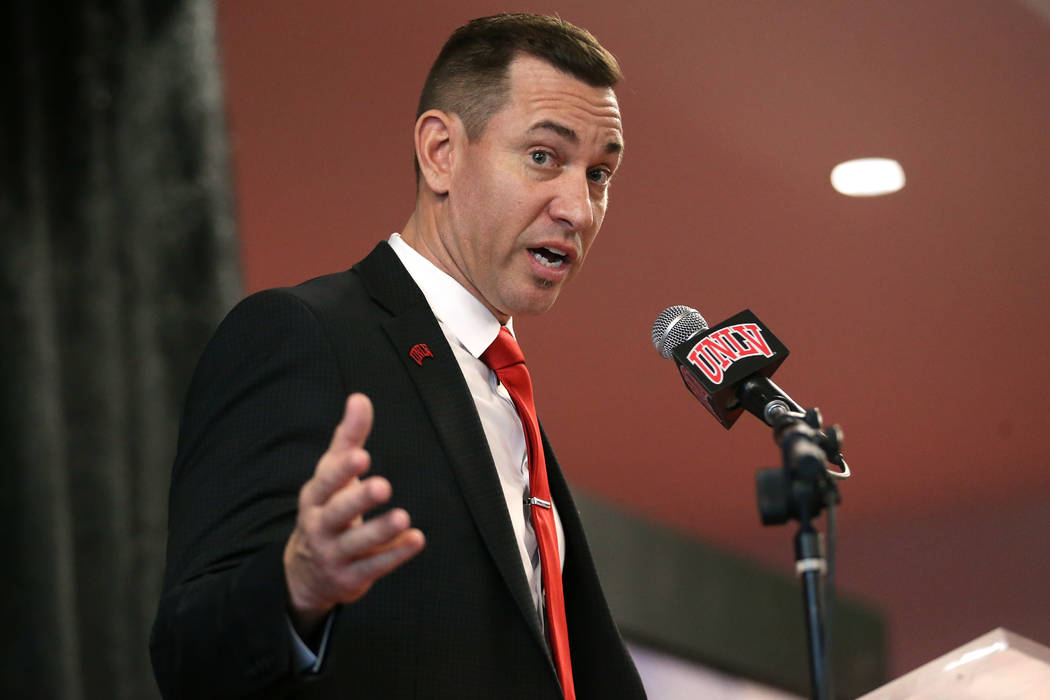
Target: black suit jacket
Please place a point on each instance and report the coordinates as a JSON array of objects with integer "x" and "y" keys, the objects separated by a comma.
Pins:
[{"x": 455, "y": 622}]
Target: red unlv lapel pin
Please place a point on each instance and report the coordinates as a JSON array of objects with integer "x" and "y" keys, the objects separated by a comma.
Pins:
[{"x": 418, "y": 352}]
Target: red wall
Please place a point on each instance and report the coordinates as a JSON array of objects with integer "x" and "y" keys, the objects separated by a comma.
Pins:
[{"x": 918, "y": 320}]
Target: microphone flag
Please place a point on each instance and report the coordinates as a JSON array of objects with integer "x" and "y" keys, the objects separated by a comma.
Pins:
[{"x": 713, "y": 362}]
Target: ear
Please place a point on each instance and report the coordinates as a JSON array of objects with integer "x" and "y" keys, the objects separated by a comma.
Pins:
[{"x": 435, "y": 136}]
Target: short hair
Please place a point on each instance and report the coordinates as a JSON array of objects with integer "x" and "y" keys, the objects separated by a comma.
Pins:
[{"x": 470, "y": 78}]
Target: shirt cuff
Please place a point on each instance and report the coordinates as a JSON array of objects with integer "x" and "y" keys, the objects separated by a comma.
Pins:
[{"x": 304, "y": 659}]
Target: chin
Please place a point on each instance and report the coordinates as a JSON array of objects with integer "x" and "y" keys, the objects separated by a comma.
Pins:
[
  {"x": 537, "y": 305},
  {"x": 534, "y": 297}
]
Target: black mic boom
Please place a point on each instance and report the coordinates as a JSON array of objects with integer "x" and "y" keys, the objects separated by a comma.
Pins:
[{"x": 727, "y": 368}]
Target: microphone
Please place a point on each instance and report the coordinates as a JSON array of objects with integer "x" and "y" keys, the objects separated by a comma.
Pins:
[{"x": 727, "y": 368}]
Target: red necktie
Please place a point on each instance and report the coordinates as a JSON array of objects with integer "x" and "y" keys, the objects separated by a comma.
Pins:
[{"x": 505, "y": 359}]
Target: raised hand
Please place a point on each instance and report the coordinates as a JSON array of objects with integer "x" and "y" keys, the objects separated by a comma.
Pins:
[{"x": 334, "y": 555}]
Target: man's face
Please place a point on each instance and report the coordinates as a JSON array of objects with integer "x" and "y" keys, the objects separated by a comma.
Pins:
[{"x": 527, "y": 198}]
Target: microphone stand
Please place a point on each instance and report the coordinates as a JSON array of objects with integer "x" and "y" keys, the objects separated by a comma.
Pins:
[{"x": 799, "y": 490}]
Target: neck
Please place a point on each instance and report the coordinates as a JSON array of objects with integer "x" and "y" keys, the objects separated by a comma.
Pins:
[{"x": 421, "y": 232}]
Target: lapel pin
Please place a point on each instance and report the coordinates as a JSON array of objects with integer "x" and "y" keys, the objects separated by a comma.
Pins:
[{"x": 418, "y": 352}]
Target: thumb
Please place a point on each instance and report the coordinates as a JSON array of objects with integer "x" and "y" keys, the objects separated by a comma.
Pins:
[{"x": 356, "y": 424}]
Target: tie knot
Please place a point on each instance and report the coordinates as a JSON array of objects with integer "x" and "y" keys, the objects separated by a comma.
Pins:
[{"x": 503, "y": 352}]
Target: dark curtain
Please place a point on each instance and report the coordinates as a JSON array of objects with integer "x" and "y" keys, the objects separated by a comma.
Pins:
[{"x": 118, "y": 257}]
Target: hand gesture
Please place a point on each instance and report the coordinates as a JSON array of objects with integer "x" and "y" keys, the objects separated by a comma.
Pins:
[{"x": 334, "y": 555}]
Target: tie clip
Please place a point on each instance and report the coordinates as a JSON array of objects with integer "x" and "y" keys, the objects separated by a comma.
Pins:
[{"x": 539, "y": 502}]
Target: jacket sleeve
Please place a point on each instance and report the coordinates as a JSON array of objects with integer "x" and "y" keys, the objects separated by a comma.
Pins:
[{"x": 260, "y": 412}]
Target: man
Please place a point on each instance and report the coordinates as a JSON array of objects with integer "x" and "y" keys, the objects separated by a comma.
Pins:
[{"x": 276, "y": 584}]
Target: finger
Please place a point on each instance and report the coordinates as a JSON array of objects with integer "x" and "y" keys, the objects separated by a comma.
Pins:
[
  {"x": 384, "y": 559},
  {"x": 334, "y": 471},
  {"x": 348, "y": 505},
  {"x": 355, "y": 425},
  {"x": 373, "y": 535},
  {"x": 344, "y": 458}
]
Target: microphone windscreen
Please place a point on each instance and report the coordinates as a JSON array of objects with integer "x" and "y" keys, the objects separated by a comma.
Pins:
[{"x": 674, "y": 326}]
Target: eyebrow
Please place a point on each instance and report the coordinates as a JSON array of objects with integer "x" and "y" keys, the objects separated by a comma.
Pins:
[{"x": 570, "y": 135}]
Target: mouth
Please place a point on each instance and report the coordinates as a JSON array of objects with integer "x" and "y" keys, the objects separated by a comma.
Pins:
[{"x": 550, "y": 257}]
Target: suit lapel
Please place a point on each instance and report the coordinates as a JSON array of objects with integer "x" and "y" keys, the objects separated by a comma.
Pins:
[{"x": 452, "y": 411}]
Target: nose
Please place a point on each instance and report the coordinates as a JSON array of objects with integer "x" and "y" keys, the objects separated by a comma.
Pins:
[{"x": 572, "y": 202}]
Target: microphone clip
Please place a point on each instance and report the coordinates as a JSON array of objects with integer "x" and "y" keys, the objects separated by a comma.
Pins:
[{"x": 803, "y": 485}]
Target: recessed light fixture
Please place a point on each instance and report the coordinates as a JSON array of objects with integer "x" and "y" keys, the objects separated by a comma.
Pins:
[{"x": 867, "y": 177}]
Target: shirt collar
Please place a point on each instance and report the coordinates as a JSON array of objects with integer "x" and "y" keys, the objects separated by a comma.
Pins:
[{"x": 457, "y": 309}]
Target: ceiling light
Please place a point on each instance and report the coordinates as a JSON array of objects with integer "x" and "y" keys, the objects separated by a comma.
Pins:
[{"x": 867, "y": 177}]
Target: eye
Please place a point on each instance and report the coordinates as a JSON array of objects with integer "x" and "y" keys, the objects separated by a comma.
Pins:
[
  {"x": 600, "y": 176},
  {"x": 542, "y": 158}
]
